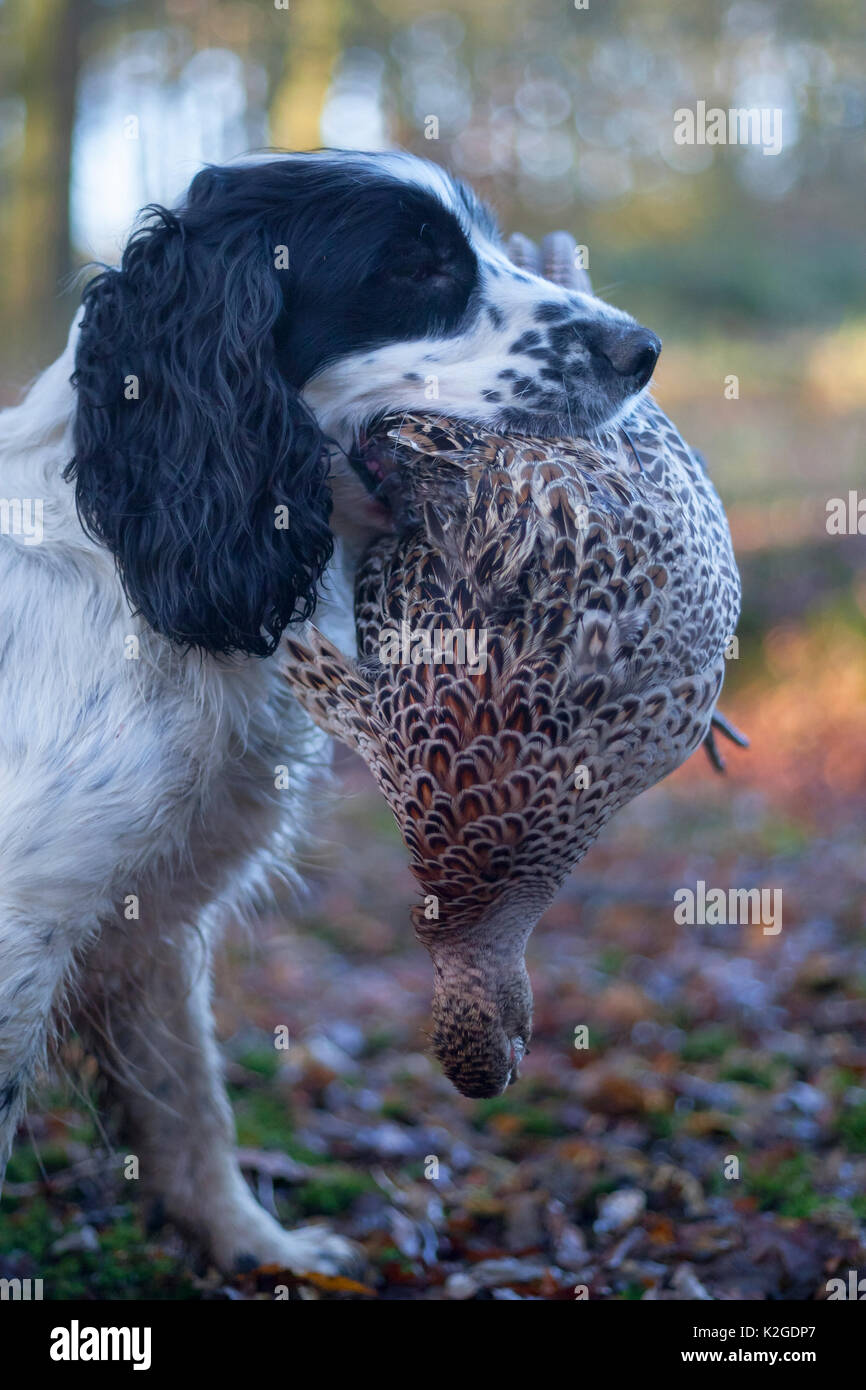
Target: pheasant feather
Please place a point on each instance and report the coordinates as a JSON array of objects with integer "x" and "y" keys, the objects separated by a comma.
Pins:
[{"x": 542, "y": 638}]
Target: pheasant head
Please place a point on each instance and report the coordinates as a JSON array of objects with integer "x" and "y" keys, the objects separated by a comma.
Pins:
[{"x": 540, "y": 639}]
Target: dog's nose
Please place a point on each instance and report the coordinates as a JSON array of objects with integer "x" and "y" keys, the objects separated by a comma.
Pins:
[{"x": 631, "y": 351}]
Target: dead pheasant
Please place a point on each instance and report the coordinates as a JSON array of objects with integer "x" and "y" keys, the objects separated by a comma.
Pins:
[{"x": 541, "y": 639}]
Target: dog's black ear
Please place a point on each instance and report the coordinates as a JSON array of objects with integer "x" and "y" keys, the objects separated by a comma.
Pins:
[{"x": 195, "y": 461}]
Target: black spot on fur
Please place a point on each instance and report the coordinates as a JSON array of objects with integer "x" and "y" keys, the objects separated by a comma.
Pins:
[
  {"x": 564, "y": 336},
  {"x": 550, "y": 312},
  {"x": 527, "y": 340}
]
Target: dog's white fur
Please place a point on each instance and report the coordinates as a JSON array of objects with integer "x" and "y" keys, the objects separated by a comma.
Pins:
[
  {"x": 138, "y": 805},
  {"x": 168, "y": 795}
]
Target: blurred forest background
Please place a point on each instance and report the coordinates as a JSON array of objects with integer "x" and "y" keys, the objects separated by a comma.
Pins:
[{"x": 604, "y": 1166}]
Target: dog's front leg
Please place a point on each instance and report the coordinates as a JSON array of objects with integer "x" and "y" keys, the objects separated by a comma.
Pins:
[
  {"x": 36, "y": 963},
  {"x": 148, "y": 1018}
]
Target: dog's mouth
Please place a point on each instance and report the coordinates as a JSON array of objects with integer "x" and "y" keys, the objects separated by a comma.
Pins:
[{"x": 373, "y": 459}]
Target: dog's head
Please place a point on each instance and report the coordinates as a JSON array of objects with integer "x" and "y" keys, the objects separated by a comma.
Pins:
[{"x": 252, "y": 335}]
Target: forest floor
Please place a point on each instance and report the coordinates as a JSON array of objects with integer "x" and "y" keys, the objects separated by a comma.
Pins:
[{"x": 708, "y": 1142}]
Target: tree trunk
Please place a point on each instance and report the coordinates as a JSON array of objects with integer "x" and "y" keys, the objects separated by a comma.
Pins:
[{"x": 35, "y": 217}]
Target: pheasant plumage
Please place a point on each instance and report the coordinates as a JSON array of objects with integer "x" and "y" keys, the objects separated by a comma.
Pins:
[{"x": 594, "y": 590}]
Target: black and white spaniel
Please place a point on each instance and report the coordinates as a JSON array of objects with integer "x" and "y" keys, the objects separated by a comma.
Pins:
[{"x": 183, "y": 457}]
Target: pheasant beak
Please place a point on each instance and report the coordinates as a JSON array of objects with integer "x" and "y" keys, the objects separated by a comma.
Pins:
[
  {"x": 374, "y": 462},
  {"x": 482, "y": 1017}
]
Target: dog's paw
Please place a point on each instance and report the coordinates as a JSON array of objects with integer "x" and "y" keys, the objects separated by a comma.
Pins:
[
  {"x": 308, "y": 1250},
  {"x": 319, "y": 1250}
]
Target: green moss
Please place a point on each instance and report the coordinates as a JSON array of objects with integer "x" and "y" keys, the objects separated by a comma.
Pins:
[
  {"x": 544, "y": 1125},
  {"x": 336, "y": 1191},
  {"x": 841, "y": 1079},
  {"x": 379, "y": 1040},
  {"x": 399, "y": 1110},
  {"x": 532, "y": 1119},
  {"x": 611, "y": 960},
  {"x": 708, "y": 1044},
  {"x": 389, "y": 1255},
  {"x": 781, "y": 837},
  {"x": 264, "y": 1061},
  {"x": 786, "y": 1187},
  {"x": 852, "y": 1128},
  {"x": 124, "y": 1267},
  {"x": 27, "y": 1164},
  {"x": 264, "y": 1121},
  {"x": 600, "y": 1188},
  {"x": 661, "y": 1124},
  {"x": 747, "y": 1074}
]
